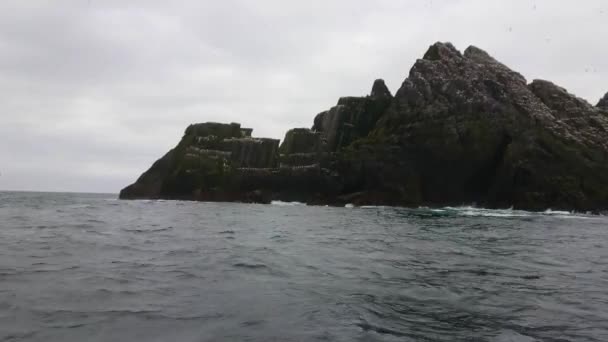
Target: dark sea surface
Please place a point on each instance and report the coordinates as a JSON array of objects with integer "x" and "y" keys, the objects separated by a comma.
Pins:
[{"x": 77, "y": 267}]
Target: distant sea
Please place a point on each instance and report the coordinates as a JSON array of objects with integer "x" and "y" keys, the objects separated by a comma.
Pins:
[{"x": 85, "y": 267}]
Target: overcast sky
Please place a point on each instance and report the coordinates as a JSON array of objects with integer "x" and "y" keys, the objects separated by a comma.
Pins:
[{"x": 93, "y": 91}]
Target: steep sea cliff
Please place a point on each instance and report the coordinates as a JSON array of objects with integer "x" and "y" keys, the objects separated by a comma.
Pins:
[{"x": 462, "y": 129}]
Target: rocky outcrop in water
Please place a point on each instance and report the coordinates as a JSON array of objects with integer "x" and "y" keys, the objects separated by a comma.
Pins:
[
  {"x": 463, "y": 128},
  {"x": 222, "y": 162}
]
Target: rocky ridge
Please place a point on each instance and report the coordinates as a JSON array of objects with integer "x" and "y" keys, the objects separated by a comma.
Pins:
[{"x": 462, "y": 129}]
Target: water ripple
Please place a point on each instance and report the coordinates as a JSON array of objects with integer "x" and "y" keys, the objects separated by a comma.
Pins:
[{"x": 86, "y": 267}]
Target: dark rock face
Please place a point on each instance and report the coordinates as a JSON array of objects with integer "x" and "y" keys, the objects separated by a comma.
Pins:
[
  {"x": 379, "y": 89},
  {"x": 222, "y": 162},
  {"x": 603, "y": 104},
  {"x": 302, "y": 147},
  {"x": 249, "y": 152},
  {"x": 468, "y": 129},
  {"x": 204, "y": 163},
  {"x": 301, "y": 140},
  {"x": 352, "y": 118},
  {"x": 463, "y": 128}
]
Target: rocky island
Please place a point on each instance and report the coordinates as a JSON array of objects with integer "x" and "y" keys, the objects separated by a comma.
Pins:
[{"x": 462, "y": 129}]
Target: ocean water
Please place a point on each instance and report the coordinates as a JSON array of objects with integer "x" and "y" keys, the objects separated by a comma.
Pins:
[{"x": 76, "y": 267}]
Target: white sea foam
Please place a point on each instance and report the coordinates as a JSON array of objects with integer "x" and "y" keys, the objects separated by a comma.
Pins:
[
  {"x": 494, "y": 213},
  {"x": 557, "y": 212},
  {"x": 286, "y": 204},
  {"x": 482, "y": 212},
  {"x": 374, "y": 207}
]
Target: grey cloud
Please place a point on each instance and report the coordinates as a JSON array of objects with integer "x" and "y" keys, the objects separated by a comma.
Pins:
[{"x": 92, "y": 92}]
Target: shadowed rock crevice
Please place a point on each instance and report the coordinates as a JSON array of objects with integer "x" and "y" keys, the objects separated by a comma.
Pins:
[
  {"x": 481, "y": 183},
  {"x": 463, "y": 128}
]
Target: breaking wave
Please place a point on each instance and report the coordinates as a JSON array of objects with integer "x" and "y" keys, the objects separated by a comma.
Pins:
[{"x": 286, "y": 204}]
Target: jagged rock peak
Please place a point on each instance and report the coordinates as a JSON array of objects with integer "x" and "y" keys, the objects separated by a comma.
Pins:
[
  {"x": 558, "y": 98},
  {"x": 440, "y": 50},
  {"x": 473, "y": 58},
  {"x": 603, "y": 104},
  {"x": 482, "y": 57},
  {"x": 473, "y": 52},
  {"x": 379, "y": 89},
  {"x": 546, "y": 89}
]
